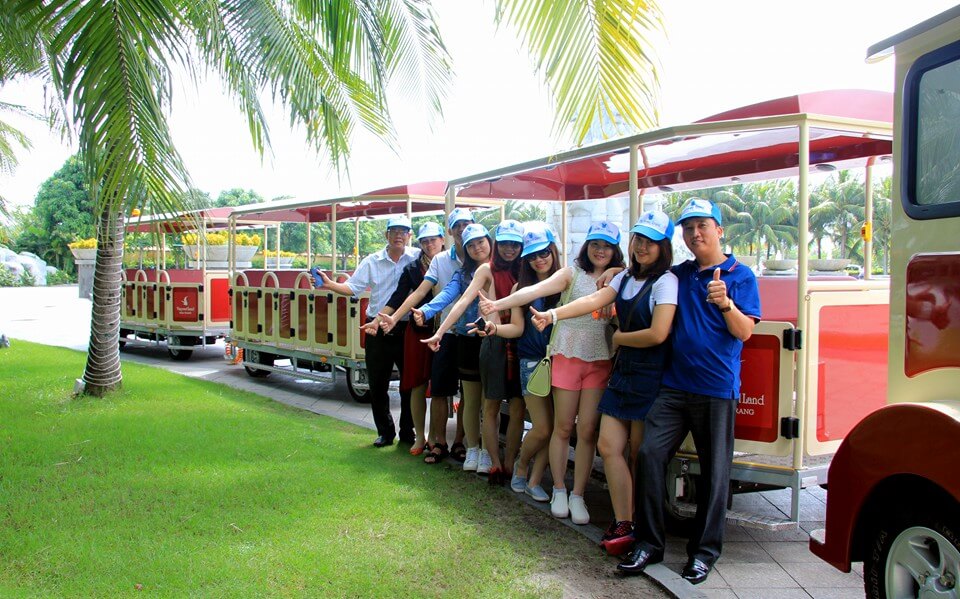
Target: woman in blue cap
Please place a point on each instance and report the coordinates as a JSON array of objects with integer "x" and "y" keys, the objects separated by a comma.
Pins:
[
  {"x": 499, "y": 368},
  {"x": 416, "y": 358},
  {"x": 581, "y": 365},
  {"x": 539, "y": 260},
  {"x": 478, "y": 246},
  {"x": 645, "y": 296}
]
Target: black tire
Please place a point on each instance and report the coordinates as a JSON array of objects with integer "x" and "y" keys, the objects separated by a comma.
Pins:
[
  {"x": 929, "y": 536},
  {"x": 357, "y": 385},
  {"x": 180, "y": 355},
  {"x": 258, "y": 357}
]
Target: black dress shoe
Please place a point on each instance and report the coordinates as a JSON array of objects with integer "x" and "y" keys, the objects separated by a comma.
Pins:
[
  {"x": 638, "y": 560},
  {"x": 383, "y": 441},
  {"x": 695, "y": 571}
]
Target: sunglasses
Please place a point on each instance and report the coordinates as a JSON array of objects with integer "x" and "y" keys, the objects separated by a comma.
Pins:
[{"x": 541, "y": 255}]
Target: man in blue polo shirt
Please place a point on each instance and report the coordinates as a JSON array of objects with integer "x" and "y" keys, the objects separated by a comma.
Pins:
[{"x": 718, "y": 306}]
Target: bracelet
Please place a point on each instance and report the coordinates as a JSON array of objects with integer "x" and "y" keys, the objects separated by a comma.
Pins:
[
  {"x": 495, "y": 328},
  {"x": 728, "y": 308},
  {"x": 553, "y": 315}
]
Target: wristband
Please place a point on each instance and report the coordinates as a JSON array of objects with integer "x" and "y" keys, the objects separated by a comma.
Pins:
[{"x": 553, "y": 315}]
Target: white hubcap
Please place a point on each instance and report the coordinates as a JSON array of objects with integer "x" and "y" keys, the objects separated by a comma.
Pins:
[{"x": 922, "y": 563}]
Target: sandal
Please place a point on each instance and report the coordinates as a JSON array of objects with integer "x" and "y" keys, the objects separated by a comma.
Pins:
[
  {"x": 497, "y": 477},
  {"x": 437, "y": 454},
  {"x": 419, "y": 450},
  {"x": 459, "y": 452}
]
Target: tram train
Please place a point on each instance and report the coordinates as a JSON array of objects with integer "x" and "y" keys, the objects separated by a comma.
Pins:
[{"x": 848, "y": 383}]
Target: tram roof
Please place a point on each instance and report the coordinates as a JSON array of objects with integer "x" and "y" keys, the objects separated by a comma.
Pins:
[
  {"x": 424, "y": 198},
  {"x": 210, "y": 218},
  {"x": 756, "y": 142}
]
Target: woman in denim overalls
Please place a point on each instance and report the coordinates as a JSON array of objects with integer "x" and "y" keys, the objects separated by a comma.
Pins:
[{"x": 645, "y": 296}]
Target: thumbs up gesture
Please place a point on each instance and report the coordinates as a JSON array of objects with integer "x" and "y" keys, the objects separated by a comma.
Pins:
[
  {"x": 540, "y": 320},
  {"x": 486, "y": 305},
  {"x": 717, "y": 291}
]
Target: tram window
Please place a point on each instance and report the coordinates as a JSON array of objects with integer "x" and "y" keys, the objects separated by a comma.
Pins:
[{"x": 932, "y": 135}]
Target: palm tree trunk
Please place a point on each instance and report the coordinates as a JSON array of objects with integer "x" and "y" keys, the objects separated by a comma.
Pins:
[{"x": 102, "y": 373}]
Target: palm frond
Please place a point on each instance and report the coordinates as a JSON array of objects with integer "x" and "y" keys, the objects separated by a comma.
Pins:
[{"x": 596, "y": 57}]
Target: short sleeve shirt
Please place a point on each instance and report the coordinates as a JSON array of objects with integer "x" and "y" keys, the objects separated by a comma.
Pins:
[
  {"x": 378, "y": 273},
  {"x": 706, "y": 357},
  {"x": 441, "y": 271},
  {"x": 664, "y": 290}
]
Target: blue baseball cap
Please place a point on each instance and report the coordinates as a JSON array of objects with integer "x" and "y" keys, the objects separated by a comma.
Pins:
[
  {"x": 604, "y": 231},
  {"x": 399, "y": 221},
  {"x": 510, "y": 230},
  {"x": 429, "y": 229},
  {"x": 654, "y": 225},
  {"x": 700, "y": 208},
  {"x": 474, "y": 231},
  {"x": 536, "y": 238},
  {"x": 457, "y": 215}
]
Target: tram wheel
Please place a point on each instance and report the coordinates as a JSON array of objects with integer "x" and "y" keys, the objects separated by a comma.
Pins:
[
  {"x": 257, "y": 357},
  {"x": 357, "y": 385},
  {"x": 178, "y": 354}
]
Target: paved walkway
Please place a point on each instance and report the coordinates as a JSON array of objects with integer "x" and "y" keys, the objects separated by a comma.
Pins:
[{"x": 756, "y": 564}]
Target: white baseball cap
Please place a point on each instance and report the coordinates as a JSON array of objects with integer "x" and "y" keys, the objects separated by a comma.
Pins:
[
  {"x": 457, "y": 215},
  {"x": 654, "y": 225},
  {"x": 604, "y": 231},
  {"x": 698, "y": 207},
  {"x": 474, "y": 231},
  {"x": 429, "y": 229},
  {"x": 399, "y": 221},
  {"x": 510, "y": 230}
]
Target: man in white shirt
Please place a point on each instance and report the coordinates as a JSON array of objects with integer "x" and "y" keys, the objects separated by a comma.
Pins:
[{"x": 380, "y": 273}]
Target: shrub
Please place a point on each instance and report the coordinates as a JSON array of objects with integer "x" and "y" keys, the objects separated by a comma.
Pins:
[
  {"x": 61, "y": 277},
  {"x": 220, "y": 238},
  {"x": 27, "y": 279},
  {"x": 7, "y": 278}
]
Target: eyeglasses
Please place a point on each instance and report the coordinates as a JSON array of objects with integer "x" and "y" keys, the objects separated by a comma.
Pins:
[
  {"x": 541, "y": 255},
  {"x": 397, "y": 232}
]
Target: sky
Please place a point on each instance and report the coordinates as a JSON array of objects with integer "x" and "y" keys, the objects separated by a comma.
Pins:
[{"x": 716, "y": 56}]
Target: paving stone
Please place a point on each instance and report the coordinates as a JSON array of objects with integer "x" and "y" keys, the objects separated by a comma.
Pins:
[
  {"x": 744, "y": 552},
  {"x": 790, "y": 552},
  {"x": 765, "y": 576},
  {"x": 718, "y": 593},
  {"x": 796, "y": 534},
  {"x": 835, "y": 593},
  {"x": 821, "y": 575},
  {"x": 771, "y": 593}
]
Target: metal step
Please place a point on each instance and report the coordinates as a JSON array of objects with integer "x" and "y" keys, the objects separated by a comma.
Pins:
[{"x": 689, "y": 510}]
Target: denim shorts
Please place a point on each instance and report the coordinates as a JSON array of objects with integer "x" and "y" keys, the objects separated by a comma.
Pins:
[{"x": 527, "y": 367}]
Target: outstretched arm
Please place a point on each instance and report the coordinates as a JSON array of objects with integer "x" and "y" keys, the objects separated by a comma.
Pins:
[
  {"x": 587, "y": 304},
  {"x": 482, "y": 279},
  {"x": 556, "y": 283},
  {"x": 390, "y": 320},
  {"x": 512, "y": 330},
  {"x": 331, "y": 285}
]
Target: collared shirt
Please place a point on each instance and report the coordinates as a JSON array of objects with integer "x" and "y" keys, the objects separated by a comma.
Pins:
[
  {"x": 706, "y": 357},
  {"x": 378, "y": 273},
  {"x": 442, "y": 268}
]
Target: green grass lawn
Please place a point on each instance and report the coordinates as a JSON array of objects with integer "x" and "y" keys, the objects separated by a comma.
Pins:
[{"x": 177, "y": 487}]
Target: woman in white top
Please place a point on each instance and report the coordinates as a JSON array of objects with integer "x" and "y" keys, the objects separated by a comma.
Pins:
[
  {"x": 581, "y": 354},
  {"x": 645, "y": 296}
]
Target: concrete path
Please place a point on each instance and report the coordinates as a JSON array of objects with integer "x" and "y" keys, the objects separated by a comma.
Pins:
[{"x": 756, "y": 564}]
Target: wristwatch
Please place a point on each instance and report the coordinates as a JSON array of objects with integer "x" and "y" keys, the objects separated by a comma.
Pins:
[{"x": 728, "y": 308}]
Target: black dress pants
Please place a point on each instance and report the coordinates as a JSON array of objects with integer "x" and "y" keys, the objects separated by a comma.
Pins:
[
  {"x": 710, "y": 420},
  {"x": 382, "y": 352}
]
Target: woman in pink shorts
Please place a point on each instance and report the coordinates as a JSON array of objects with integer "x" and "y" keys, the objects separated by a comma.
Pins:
[{"x": 581, "y": 355}]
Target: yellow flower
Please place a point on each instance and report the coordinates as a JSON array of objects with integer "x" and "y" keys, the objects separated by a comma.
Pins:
[{"x": 83, "y": 244}]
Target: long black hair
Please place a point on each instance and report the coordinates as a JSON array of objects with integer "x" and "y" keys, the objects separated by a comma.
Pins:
[
  {"x": 662, "y": 265},
  {"x": 528, "y": 276},
  {"x": 469, "y": 264},
  {"x": 583, "y": 258}
]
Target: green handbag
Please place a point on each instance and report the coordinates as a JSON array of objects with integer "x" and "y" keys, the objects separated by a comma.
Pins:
[{"x": 540, "y": 380}]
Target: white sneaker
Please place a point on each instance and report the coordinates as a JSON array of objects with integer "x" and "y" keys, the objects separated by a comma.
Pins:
[
  {"x": 485, "y": 463},
  {"x": 558, "y": 504},
  {"x": 473, "y": 456},
  {"x": 578, "y": 510}
]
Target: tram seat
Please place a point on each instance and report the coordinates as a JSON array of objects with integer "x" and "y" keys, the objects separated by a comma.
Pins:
[{"x": 184, "y": 275}]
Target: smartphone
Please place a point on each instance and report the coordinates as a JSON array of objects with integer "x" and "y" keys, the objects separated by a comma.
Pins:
[
  {"x": 481, "y": 324},
  {"x": 317, "y": 279}
]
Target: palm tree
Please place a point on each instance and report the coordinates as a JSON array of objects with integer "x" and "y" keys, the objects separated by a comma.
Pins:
[
  {"x": 328, "y": 64},
  {"x": 882, "y": 224},
  {"x": 760, "y": 215},
  {"x": 840, "y": 202},
  {"x": 513, "y": 209}
]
